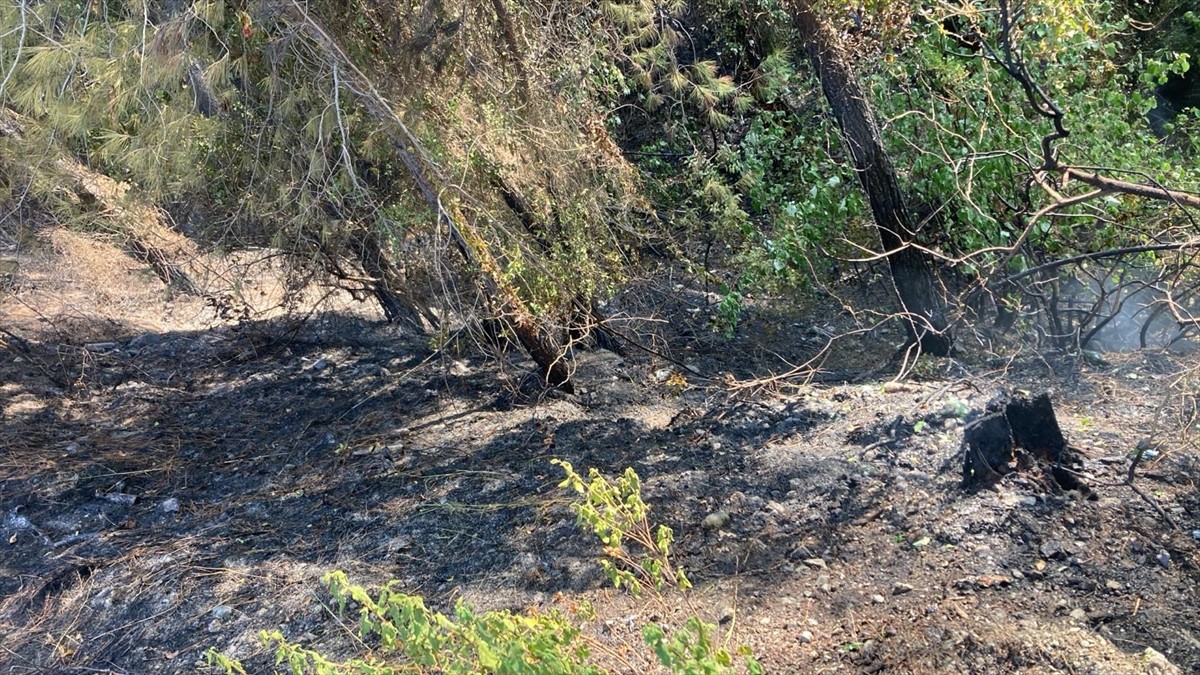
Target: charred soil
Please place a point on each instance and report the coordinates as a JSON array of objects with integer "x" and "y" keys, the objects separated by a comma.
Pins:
[{"x": 171, "y": 482}]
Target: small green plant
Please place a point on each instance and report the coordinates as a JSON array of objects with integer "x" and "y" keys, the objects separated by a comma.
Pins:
[
  {"x": 412, "y": 638},
  {"x": 638, "y": 558},
  {"x": 615, "y": 512},
  {"x": 420, "y": 640}
]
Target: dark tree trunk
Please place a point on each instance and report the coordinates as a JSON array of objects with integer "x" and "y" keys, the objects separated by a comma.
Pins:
[
  {"x": 912, "y": 272},
  {"x": 168, "y": 272},
  {"x": 585, "y": 319},
  {"x": 397, "y": 306}
]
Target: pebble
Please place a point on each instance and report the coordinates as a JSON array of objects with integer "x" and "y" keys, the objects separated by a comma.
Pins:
[
  {"x": 1112, "y": 585},
  {"x": 319, "y": 365},
  {"x": 899, "y": 589},
  {"x": 1078, "y": 614},
  {"x": 727, "y": 615},
  {"x": 169, "y": 505},
  {"x": 1164, "y": 558},
  {"x": 806, "y": 637},
  {"x": 877, "y": 599},
  {"x": 818, "y": 563},
  {"x": 715, "y": 521},
  {"x": 1053, "y": 549},
  {"x": 221, "y": 611},
  {"x": 1156, "y": 663}
]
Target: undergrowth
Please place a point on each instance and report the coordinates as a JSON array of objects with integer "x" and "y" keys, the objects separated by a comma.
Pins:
[{"x": 409, "y": 637}]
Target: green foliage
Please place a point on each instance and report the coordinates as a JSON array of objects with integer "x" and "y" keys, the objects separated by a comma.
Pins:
[
  {"x": 966, "y": 130},
  {"x": 616, "y": 514},
  {"x": 638, "y": 558},
  {"x": 412, "y": 638}
]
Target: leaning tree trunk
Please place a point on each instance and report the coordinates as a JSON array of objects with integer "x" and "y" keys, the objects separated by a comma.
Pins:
[
  {"x": 912, "y": 271},
  {"x": 506, "y": 303},
  {"x": 398, "y": 306}
]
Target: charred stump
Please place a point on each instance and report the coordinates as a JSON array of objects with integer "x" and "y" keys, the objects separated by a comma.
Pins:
[{"x": 1018, "y": 434}]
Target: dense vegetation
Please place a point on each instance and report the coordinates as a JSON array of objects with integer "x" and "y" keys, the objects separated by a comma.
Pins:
[{"x": 505, "y": 166}]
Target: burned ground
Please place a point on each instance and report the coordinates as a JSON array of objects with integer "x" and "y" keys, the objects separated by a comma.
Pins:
[{"x": 171, "y": 489}]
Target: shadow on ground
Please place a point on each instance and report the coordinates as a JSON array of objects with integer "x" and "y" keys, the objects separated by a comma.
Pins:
[{"x": 163, "y": 493}]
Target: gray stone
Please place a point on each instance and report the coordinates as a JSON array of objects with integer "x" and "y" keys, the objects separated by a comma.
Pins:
[
  {"x": 806, "y": 637},
  {"x": 715, "y": 521},
  {"x": 900, "y": 589},
  {"x": 170, "y": 505}
]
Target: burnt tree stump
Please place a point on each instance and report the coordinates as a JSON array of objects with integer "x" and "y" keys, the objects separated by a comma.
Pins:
[{"x": 1018, "y": 434}]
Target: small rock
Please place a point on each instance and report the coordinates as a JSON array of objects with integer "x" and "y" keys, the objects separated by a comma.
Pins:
[
  {"x": 1078, "y": 614},
  {"x": 73, "y": 448},
  {"x": 715, "y": 521},
  {"x": 1112, "y": 585},
  {"x": 169, "y": 505},
  {"x": 1053, "y": 549},
  {"x": 806, "y": 637},
  {"x": 765, "y": 620},
  {"x": 460, "y": 368},
  {"x": 1196, "y": 535},
  {"x": 319, "y": 365},
  {"x": 1157, "y": 664},
  {"x": 900, "y": 589},
  {"x": 877, "y": 599},
  {"x": 1017, "y": 574},
  {"x": 818, "y": 563},
  {"x": 1028, "y": 501},
  {"x": 1164, "y": 558},
  {"x": 727, "y": 615},
  {"x": 221, "y": 612}
]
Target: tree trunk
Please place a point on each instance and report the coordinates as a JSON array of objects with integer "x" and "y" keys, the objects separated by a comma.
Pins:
[
  {"x": 912, "y": 271},
  {"x": 507, "y": 304},
  {"x": 398, "y": 306}
]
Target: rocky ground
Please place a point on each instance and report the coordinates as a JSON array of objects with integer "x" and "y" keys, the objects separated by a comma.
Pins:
[{"x": 171, "y": 482}]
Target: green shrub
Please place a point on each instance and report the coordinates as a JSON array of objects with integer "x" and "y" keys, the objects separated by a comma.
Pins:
[{"x": 412, "y": 638}]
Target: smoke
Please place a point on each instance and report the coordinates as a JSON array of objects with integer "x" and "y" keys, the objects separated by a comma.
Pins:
[{"x": 1128, "y": 309}]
